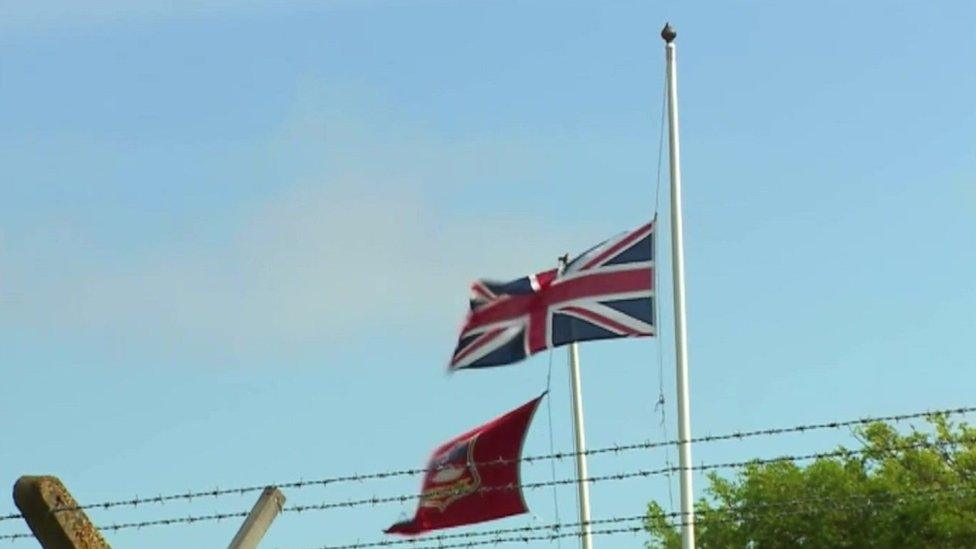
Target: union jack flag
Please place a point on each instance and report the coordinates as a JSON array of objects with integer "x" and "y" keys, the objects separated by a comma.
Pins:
[{"x": 607, "y": 292}]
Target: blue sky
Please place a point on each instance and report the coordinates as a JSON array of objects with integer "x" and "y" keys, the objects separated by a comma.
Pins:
[{"x": 236, "y": 237}]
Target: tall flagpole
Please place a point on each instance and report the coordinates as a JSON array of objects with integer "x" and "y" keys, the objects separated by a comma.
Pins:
[
  {"x": 586, "y": 537},
  {"x": 678, "y": 272}
]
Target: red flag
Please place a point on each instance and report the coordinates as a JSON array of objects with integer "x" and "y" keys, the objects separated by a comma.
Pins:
[{"x": 473, "y": 477}]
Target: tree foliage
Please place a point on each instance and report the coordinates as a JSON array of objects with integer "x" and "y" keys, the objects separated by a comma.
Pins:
[{"x": 912, "y": 490}]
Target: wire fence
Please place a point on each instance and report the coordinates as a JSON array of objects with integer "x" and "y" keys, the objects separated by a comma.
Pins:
[
  {"x": 643, "y": 445},
  {"x": 797, "y": 506},
  {"x": 800, "y": 506},
  {"x": 373, "y": 501}
]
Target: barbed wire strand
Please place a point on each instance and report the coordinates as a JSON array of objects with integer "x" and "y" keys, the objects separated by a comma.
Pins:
[
  {"x": 675, "y": 514},
  {"x": 858, "y": 502},
  {"x": 864, "y": 499},
  {"x": 520, "y": 529},
  {"x": 495, "y": 536},
  {"x": 501, "y": 531},
  {"x": 373, "y": 501},
  {"x": 641, "y": 473},
  {"x": 300, "y": 484}
]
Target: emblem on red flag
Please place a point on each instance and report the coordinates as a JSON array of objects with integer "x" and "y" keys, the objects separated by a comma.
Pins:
[{"x": 456, "y": 475}]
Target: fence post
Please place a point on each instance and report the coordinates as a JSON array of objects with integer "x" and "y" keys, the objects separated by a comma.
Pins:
[
  {"x": 41, "y": 500},
  {"x": 258, "y": 521}
]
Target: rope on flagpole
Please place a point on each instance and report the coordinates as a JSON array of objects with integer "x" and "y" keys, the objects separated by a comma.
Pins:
[
  {"x": 660, "y": 149},
  {"x": 661, "y": 404},
  {"x": 300, "y": 484}
]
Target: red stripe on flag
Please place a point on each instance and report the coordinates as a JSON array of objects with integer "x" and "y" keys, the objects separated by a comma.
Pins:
[{"x": 597, "y": 284}]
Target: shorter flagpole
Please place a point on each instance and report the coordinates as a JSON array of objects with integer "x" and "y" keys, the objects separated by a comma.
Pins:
[{"x": 586, "y": 536}]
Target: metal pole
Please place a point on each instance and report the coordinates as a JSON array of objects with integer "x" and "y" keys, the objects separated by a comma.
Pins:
[
  {"x": 586, "y": 539},
  {"x": 258, "y": 521},
  {"x": 579, "y": 432},
  {"x": 680, "y": 327}
]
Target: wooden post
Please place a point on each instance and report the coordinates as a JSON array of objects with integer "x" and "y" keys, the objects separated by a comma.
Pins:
[
  {"x": 40, "y": 500},
  {"x": 259, "y": 519}
]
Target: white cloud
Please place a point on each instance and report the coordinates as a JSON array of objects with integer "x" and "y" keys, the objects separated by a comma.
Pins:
[
  {"x": 310, "y": 265},
  {"x": 359, "y": 242}
]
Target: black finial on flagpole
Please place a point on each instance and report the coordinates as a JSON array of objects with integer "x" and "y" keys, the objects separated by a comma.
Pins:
[{"x": 668, "y": 33}]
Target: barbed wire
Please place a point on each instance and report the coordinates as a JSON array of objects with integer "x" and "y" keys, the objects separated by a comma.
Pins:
[
  {"x": 543, "y": 537},
  {"x": 733, "y": 514},
  {"x": 842, "y": 452},
  {"x": 556, "y": 526},
  {"x": 494, "y": 537},
  {"x": 373, "y": 501},
  {"x": 192, "y": 519},
  {"x": 614, "y": 520},
  {"x": 645, "y": 445},
  {"x": 835, "y": 502}
]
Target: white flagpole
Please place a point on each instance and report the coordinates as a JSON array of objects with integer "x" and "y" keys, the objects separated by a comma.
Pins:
[
  {"x": 678, "y": 272},
  {"x": 586, "y": 537}
]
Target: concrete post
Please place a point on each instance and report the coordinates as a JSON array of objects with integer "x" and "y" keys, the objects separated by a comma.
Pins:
[
  {"x": 259, "y": 519},
  {"x": 40, "y": 499}
]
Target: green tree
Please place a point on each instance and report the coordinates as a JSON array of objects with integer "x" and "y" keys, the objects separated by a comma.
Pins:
[{"x": 913, "y": 490}]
